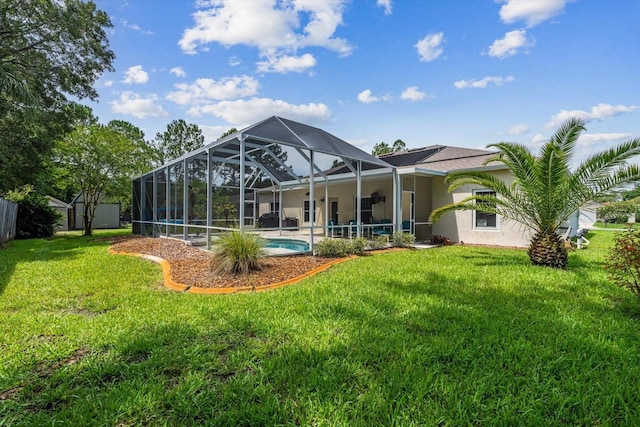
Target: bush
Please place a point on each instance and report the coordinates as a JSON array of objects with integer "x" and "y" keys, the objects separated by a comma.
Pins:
[
  {"x": 358, "y": 245},
  {"x": 438, "y": 239},
  {"x": 623, "y": 261},
  {"x": 333, "y": 248},
  {"x": 238, "y": 252},
  {"x": 380, "y": 242},
  {"x": 36, "y": 218},
  {"x": 403, "y": 240},
  {"x": 619, "y": 212}
]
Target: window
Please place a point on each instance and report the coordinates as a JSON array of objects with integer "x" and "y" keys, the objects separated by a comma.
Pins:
[
  {"x": 306, "y": 211},
  {"x": 366, "y": 209},
  {"x": 274, "y": 207},
  {"x": 484, "y": 220}
]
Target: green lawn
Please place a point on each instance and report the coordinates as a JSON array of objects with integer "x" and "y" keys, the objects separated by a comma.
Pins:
[{"x": 449, "y": 336}]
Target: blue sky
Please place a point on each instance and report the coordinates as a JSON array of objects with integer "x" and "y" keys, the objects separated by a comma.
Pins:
[{"x": 455, "y": 72}]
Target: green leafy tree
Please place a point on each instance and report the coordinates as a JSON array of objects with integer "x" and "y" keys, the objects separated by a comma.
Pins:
[
  {"x": 545, "y": 191},
  {"x": 398, "y": 145},
  {"x": 179, "y": 138},
  {"x": 101, "y": 161},
  {"x": 631, "y": 194},
  {"x": 381, "y": 148},
  {"x": 49, "y": 48},
  {"x": 36, "y": 219},
  {"x": 148, "y": 157},
  {"x": 384, "y": 148}
]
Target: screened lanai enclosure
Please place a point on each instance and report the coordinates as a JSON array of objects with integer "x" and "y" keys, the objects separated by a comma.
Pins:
[{"x": 277, "y": 177}]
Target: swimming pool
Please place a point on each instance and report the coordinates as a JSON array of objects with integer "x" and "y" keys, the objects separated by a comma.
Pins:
[{"x": 286, "y": 245}]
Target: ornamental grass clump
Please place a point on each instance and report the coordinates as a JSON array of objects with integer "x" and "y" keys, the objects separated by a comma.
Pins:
[
  {"x": 623, "y": 261},
  {"x": 238, "y": 252}
]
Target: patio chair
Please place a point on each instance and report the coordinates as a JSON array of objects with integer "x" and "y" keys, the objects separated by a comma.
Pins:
[
  {"x": 382, "y": 230},
  {"x": 333, "y": 230},
  {"x": 406, "y": 226}
]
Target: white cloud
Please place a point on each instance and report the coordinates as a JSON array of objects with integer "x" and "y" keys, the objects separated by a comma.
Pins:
[
  {"x": 286, "y": 63},
  {"x": 251, "y": 110},
  {"x": 212, "y": 133},
  {"x": 518, "y": 130},
  {"x": 430, "y": 47},
  {"x": 539, "y": 139},
  {"x": 178, "y": 71},
  {"x": 598, "y": 112},
  {"x": 274, "y": 28},
  {"x": 108, "y": 83},
  {"x": 366, "y": 97},
  {"x": 510, "y": 44},
  {"x": 480, "y": 84},
  {"x": 532, "y": 12},
  {"x": 386, "y": 5},
  {"x": 134, "y": 27},
  {"x": 234, "y": 61},
  {"x": 203, "y": 91},
  {"x": 413, "y": 94},
  {"x": 135, "y": 75},
  {"x": 137, "y": 106},
  {"x": 587, "y": 139}
]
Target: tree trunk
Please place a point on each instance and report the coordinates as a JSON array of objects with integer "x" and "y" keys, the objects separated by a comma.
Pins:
[
  {"x": 87, "y": 219},
  {"x": 549, "y": 250}
]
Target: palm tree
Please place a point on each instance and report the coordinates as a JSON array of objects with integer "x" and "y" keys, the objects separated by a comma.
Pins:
[{"x": 545, "y": 192}]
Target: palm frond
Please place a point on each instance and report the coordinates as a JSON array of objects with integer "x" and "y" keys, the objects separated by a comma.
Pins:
[{"x": 600, "y": 165}]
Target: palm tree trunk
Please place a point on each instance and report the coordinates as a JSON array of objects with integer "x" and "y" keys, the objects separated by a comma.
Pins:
[{"x": 548, "y": 249}]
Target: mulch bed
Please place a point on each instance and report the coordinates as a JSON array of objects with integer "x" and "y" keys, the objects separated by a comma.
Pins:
[{"x": 193, "y": 267}]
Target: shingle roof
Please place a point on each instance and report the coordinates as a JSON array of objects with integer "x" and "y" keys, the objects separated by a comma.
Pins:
[{"x": 440, "y": 158}]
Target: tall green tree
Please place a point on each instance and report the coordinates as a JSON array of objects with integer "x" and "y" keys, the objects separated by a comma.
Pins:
[
  {"x": 179, "y": 138},
  {"x": 545, "y": 191},
  {"x": 49, "y": 48},
  {"x": 147, "y": 158},
  {"x": 101, "y": 161},
  {"x": 384, "y": 148}
]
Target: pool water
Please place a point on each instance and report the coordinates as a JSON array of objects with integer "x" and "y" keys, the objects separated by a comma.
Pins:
[{"x": 290, "y": 244}]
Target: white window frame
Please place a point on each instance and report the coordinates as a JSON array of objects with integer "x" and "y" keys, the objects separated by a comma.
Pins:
[{"x": 475, "y": 220}]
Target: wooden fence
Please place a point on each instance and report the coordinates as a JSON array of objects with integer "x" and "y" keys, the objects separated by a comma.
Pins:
[{"x": 8, "y": 215}]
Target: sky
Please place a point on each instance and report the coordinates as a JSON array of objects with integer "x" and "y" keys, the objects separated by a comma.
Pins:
[{"x": 465, "y": 73}]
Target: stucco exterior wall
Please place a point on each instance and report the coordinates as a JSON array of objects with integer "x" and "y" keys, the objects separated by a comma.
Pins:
[
  {"x": 342, "y": 192},
  {"x": 458, "y": 225}
]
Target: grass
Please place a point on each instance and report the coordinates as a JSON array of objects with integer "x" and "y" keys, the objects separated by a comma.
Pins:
[
  {"x": 447, "y": 336},
  {"x": 613, "y": 226}
]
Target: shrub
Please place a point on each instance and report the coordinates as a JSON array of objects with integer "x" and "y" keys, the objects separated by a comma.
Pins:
[
  {"x": 403, "y": 240},
  {"x": 333, "y": 248},
  {"x": 358, "y": 245},
  {"x": 238, "y": 252},
  {"x": 380, "y": 242},
  {"x": 438, "y": 239},
  {"x": 619, "y": 212},
  {"x": 35, "y": 217},
  {"x": 623, "y": 261}
]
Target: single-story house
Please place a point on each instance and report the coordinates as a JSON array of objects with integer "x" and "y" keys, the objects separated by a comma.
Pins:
[
  {"x": 107, "y": 214},
  {"x": 66, "y": 213},
  {"x": 300, "y": 178}
]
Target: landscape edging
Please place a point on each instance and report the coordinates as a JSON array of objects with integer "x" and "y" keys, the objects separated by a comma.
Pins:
[{"x": 173, "y": 285}]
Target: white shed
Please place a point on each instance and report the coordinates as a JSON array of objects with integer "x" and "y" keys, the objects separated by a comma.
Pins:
[
  {"x": 107, "y": 214},
  {"x": 66, "y": 213}
]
